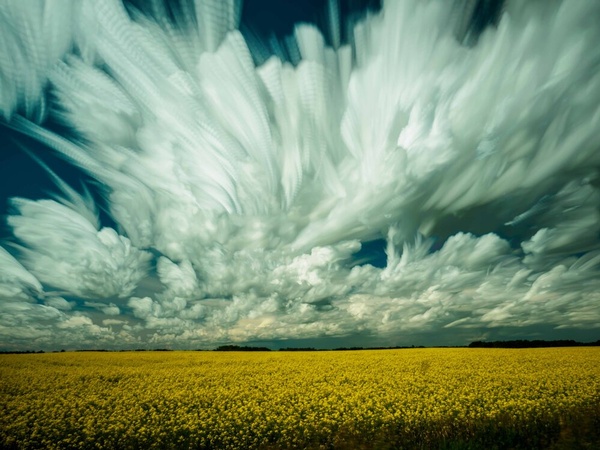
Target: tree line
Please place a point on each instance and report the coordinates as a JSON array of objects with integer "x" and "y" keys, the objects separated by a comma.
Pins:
[
  {"x": 519, "y": 343},
  {"x": 524, "y": 343}
]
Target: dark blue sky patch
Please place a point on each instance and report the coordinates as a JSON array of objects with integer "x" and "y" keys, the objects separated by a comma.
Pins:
[{"x": 371, "y": 252}]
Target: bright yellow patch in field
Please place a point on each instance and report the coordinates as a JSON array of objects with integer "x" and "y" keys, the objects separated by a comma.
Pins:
[{"x": 276, "y": 399}]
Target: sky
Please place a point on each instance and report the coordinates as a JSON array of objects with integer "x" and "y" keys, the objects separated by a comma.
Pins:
[{"x": 305, "y": 173}]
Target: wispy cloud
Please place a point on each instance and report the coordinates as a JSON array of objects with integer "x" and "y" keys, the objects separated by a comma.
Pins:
[{"x": 240, "y": 195}]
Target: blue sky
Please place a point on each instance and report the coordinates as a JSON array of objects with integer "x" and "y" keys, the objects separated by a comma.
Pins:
[{"x": 299, "y": 174}]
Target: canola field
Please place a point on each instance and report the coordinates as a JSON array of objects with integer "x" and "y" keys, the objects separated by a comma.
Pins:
[{"x": 410, "y": 398}]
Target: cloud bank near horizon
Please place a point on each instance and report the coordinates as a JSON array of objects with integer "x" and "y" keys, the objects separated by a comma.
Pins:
[{"x": 241, "y": 196}]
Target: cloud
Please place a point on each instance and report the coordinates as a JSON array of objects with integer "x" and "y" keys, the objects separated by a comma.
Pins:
[
  {"x": 570, "y": 223},
  {"x": 59, "y": 303},
  {"x": 471, "y": 283},
  {"x": 180, "y": 280},
  {"x": 66, "y": 252},
  {"x": 142, "y": 307},
  {"x": 15, "y": 280},
  {"x": 241, "y": 194},
  {"x": 34, "y": 37},
  {"x": 26, "y": 324},
  {"x": 110, "y": 309}
]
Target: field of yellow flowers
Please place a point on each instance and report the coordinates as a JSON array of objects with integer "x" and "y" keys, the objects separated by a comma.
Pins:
[{"x": 411, "y": 398}]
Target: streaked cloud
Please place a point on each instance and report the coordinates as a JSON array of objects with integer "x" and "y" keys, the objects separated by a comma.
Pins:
[{"x": 240, "y": 195}]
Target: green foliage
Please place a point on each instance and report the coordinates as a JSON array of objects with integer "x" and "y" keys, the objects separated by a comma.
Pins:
[{"x": 237, "y": 348}]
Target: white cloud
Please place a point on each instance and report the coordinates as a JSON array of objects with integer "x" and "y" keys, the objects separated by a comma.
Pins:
[
  {"x": 25, "y": 70},
  {"x": 59, "y": 303},
  {"x": 143, "y": 307},
  {"x": 65, "y": 251},
  {"x": 76, "y": 322},
  {"x": 15, "y": 281},
  {"x": 110, "y": 309},
  {"x": 255, "y": 186}
]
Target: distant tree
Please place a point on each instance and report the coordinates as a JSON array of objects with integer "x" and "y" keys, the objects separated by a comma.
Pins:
[
  {"x": 523, "y": 343},
  {"x": 348, "y": 348},
  {"x": 298, "y": 349},
  {"x": 237, "y": 348}
]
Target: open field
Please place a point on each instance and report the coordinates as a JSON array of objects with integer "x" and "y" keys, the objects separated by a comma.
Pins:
[{"x": 414, "y": 398}]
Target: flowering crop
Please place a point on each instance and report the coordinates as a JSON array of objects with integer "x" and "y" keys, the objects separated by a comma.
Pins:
[{"x": 355, "y": 399}]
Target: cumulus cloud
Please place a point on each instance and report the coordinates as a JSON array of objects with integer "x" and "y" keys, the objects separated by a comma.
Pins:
[
  {"x": 26, "y": 323},
  {"x": 242, "y": 194},
  {"x": 110, "y": 309},
  {"x": 66, "y": 251}
]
